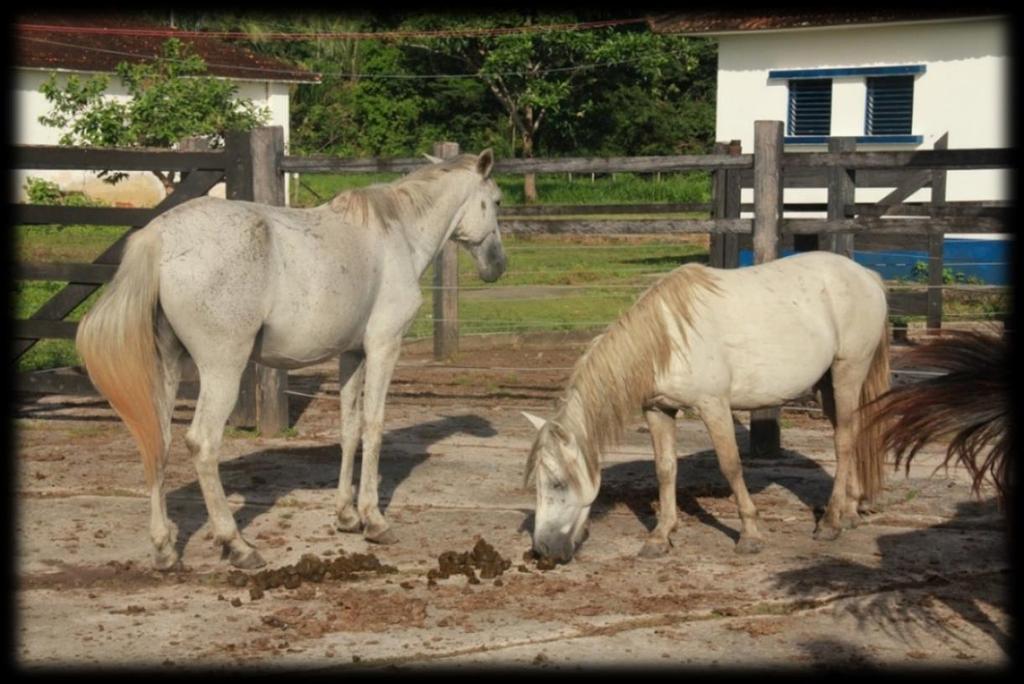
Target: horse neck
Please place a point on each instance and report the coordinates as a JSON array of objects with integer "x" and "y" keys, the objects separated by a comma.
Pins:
[
  {"x": 427, "y": 233},
  {"x": 572, "y": 416}
]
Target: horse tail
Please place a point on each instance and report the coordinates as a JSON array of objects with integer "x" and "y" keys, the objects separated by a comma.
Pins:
[
  {"x": 117, "y": 343},
  {"x": 970, "y": 401},
  {"x": 869, "y": 446}
]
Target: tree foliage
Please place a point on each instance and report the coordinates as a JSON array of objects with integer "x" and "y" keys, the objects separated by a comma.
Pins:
[
  {"x": 610, "y": 91},
  {"x": 616, "y": 90},
  {"x": 168, "y": 100}
]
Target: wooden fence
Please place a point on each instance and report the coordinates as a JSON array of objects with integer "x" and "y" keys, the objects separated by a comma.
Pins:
[
  {"x": 247, "y": 167},
  {"x": 767, "y": 170},
  {"x": 253, "y": 167}
]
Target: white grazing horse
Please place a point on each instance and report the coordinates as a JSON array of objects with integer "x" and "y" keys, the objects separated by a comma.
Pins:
[
  {"x": 717, "y": 340},
  {"x": 225, "y": 281}
]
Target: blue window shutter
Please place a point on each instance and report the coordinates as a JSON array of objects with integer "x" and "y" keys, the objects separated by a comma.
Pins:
[
  {"x": 810, "y": 106},
  {"x": 890, "y": 105}
]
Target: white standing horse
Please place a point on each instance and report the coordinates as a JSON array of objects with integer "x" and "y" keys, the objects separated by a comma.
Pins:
[
  {"x": 225, "y": 281},
  {"x": 718, "y": 340}
]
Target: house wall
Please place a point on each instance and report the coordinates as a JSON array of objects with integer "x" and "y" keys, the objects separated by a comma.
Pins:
[
  {"x": 964, "y": 91},
  {"x": 139, "y": 189}
]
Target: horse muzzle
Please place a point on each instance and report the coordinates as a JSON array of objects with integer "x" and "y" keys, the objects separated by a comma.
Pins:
[
  {"x": 560, "y": 550},
  {"x": 557, "y": 546},
  {"x": 493, "y": 270},
  {"x": 490, "y": 259}
]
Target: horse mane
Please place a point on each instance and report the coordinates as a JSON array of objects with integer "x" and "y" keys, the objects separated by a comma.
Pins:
[
  {"x": 384, "y": 205},
  {"x": 617, "y": 372},
  {"x": 970, "y": 402}
]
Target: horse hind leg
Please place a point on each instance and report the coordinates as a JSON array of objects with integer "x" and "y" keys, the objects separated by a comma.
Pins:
[
  {"x": 219, "y": 385},
  {"x": 162, "y": 531},
  {"x": 717, "y": 417},
  {"x": 841, "y": 406}
]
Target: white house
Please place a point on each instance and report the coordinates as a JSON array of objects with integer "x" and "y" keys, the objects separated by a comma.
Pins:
[
  {"x": 896, "y": 80},
  {"x": 85, "y": 45}
]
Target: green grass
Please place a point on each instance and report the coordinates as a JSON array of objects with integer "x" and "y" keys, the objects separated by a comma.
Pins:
[
  {"x": 575, "y": 286},
  {"x": 623, "y": 188},
  {"x": 40, "y": 244},
  {"x": 79, "y": 244}
]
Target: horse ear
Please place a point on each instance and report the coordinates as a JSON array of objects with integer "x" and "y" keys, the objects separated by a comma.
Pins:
[
  {"x": 536, "y": 421},
  {"x": 485, "y": 162},
  {"x": 432, "y": 158}
]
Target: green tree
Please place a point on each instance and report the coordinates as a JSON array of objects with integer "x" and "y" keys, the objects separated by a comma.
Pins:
[
  {"x": 170, "y": 98},
  {"x": 612, "y": 91},
  {"x": 541, "y": 76}
]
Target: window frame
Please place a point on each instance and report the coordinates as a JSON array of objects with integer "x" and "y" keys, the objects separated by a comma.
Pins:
[{"x": 790, "y": 75}]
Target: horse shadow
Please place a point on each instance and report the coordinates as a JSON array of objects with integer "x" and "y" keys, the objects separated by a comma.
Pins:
[
  {"x": 927, "y": 553},
  {"x": 635, "y": 484},
  {"x": 278, "y": 471}
]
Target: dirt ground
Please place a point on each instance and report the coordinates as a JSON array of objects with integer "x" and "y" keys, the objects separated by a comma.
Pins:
[{"x": 923, "y": 584}]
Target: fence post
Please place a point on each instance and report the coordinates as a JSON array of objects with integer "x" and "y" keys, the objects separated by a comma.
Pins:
[
  {"x": 251, "y": 174},
  {"x": 269, "y": 188},
  {"x": 764, "y": 423},
  {"x": 841, "y": 193},
  {"x": 809, "y": 243},
  {"x": 733, "y": 200},
  {"x": 716, "y": 243},
  {"x": 446, "y": 280},
  {"x": 936, "y": 242},
  {"x": 724, "y": 248}
]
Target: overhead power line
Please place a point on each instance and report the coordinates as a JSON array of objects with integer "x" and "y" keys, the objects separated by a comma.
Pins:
[
  {"x": 328, "y": 35},
  {"x": 267, "y": 70}
]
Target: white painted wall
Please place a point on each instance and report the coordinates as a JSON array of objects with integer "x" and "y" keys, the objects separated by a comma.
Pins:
[
  {"x": 965, "y": 90},
  {"x": 140, "y": 189}
]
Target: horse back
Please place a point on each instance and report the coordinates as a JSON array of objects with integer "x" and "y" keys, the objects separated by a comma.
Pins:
[
  {"x": 240, "y": 268},
  {"x": 767, "y": 333}
]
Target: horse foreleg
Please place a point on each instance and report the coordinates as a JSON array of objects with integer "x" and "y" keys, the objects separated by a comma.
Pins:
[
  {"x": 352, "y": 371},
  {"x": 663, "y": 437},
  {"x": 717, "y": 417},
  {"x": 380, "y": 364},
  {"x": 217, "y": 396}
]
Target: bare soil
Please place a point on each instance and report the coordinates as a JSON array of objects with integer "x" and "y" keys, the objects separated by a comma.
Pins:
[{"x": 923, "y": 582}]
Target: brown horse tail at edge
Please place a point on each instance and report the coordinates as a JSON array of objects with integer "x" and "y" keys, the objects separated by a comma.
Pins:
[
  {"x": 117, "y": 343},
  {"x": 869, "y": 447},
  {"x": 970, "y": 402}
]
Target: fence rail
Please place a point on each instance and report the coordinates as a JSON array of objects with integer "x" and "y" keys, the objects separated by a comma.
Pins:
[
  {"x": 246, "y": 167},
  {"x": 253, "y": 167}
]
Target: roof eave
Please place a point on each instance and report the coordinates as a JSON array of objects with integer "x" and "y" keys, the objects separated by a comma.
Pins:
[
  {"x": 652, "y": 25},
  {"x": 251, "y": 79}
]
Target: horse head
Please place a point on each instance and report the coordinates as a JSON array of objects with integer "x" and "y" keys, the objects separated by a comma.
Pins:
[
  {"x": 565, "y": 490},
  {"x": 477, "y": 229}
]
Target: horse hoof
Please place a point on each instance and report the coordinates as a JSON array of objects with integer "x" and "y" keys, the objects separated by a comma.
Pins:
[
  {"x": 851, "y": 522},
  {"x": 249, "y": 559},
  {"x": 749, "y": 545},
  {"x": 385, "y": 537},
  {"x": 826, "y": 533},
  {"x": 346, "y": 523},
  {"x": 654, "y": 549},
  {"x": 165, "y": 560}
]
